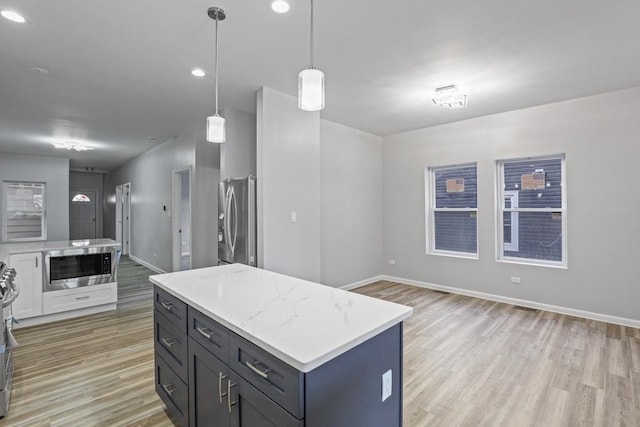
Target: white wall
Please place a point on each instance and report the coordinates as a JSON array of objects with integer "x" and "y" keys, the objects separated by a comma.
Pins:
[
  {"x": 55, "y": 173},
  {"x": 288, "y": 180},
  {"x": 238, "y": 153},
  {"x": 351, "y": 204},
  {"x": 599, "y": 135}
]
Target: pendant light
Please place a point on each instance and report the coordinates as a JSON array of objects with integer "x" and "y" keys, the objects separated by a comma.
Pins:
[
  {"x": 216, "y": 124},
  {"x": 311, "y": 82}
]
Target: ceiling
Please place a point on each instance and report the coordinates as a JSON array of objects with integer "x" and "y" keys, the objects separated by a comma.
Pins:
[{"x": 119, "y": 70}]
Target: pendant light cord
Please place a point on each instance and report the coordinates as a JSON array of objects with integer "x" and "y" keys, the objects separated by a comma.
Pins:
[
  {"x": 216, "y": 71},
  {"x": 311, "y": 37}
]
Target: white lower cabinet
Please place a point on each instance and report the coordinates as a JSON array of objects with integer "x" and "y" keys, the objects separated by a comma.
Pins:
[
  {"x": 82, "y": 297},
  {"x": 29, "y": 279}
]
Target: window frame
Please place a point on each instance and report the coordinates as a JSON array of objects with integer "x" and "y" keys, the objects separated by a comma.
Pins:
[
  {"x": 500, "y": 210},
  {"x": 430, "y": 209},
  {"x": 43, "y": 211}
]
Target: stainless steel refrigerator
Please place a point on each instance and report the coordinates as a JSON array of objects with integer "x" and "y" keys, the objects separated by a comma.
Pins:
[{"x": 237, "y": 221}]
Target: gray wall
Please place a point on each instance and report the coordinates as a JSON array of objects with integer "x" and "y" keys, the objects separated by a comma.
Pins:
[
  {"x": 599, "y": 135},
  {"x": 288, "y": 180},
  {"x": 238, "y": 153},
  {"x": 90, "y": 181},
  {"x": 55, "y": 173},
  {"x": 351, "y": 204},
  {"x": 151, "y": 177}
]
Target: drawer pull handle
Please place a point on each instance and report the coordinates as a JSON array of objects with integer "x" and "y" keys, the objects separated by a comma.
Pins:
[
  {"x": 168, "y": 342},
  {"x": 167, "y": 305},
  {"x": 263, "y": 374},
  {"x": 220, "y": 393},
  {"x": 205, "y": 332},
  {"x": 229, "y": 385},
  {"x": 169, "y": 388},
  {"x": 81, "y": 298}
]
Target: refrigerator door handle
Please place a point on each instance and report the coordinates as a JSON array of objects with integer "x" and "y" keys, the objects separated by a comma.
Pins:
[
  {"x": 235, "y": 220},
  {"x": 227, "y": 223}
]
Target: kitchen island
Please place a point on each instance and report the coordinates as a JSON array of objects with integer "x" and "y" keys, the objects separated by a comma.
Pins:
[
  {"x": 62, "y": 279},
  {"x": 240, "y": 346}
]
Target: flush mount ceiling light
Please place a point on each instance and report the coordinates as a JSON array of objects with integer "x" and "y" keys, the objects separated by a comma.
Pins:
[
  {"x": 72, "y": 146},
  {"x": 311, "y": 81},
  {"x": 198, "y": 72},
  {"x": 40, "y": 70},
  {"x": 280, "y": 6},
  {"x": 449, "y": 96},
  {"x": 14, "y": 16},
  {"x": 215, "y": 124}
]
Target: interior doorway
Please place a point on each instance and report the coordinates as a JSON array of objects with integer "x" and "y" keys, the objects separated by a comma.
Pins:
[
  {"x": 82, "y": 214},
  {"x": 123, "y": 216},
  {"x": 181, "y": 222}
]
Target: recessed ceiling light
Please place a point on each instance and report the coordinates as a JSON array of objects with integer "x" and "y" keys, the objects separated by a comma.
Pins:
[
  {"x": 280, "y": 6},
  {"x": 198, "y": 72},
  {"x": 13, "y": 16}
]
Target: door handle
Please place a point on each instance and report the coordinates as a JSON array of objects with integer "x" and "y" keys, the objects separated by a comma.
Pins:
[
  {"x": 263, "y": 374},
  {"x": 220, "y": 393},
  {"x": 166, "y": 305},
  {"x": 168, "y": 342},
  {"x": 205, "y": 332}
]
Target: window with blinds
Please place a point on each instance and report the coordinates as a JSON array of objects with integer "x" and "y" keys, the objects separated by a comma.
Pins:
[
  {"x": 24, "y": 211},
  {"x": 532, "y": 219},
  {"x": 452, "y": 210}
]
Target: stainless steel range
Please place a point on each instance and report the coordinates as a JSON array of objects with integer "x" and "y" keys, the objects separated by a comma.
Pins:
[{"x": 8, "y": 293}]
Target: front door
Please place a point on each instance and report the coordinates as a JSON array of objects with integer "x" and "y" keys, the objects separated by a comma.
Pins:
[{"x": 82, "y": 215}]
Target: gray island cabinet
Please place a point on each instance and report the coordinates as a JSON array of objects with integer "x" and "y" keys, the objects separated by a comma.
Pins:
[{"x": 240, "y": 346}]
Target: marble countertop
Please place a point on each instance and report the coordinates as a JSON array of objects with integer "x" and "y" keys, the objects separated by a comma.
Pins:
[
  {"x": 303, "y": 323},
  {"x": 41, "y": 246}
]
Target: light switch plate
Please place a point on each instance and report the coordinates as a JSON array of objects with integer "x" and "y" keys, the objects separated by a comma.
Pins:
[
  {"x": 386, "y": 385},
  {"x": 294, "y": 217}
]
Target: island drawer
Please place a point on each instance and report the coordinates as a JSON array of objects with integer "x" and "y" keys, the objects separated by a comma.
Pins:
[
  {"x": 172, "y": 307},
  {"x": 173, "y": 392},
  {"x": 209, "y": 333},
  {"x": 281, "y": 382},
  {"x": 171, "y": 344}
]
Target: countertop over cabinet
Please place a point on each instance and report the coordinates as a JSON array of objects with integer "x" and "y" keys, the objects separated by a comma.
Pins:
[
  {"x": 305, "y": 324},
  {"x": 41, "y": 246}
]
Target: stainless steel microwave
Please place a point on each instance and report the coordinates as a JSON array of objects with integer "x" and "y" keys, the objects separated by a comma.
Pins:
[{"x": 72, "y": 268}]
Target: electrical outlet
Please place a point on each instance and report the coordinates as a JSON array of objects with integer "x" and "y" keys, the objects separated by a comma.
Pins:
[
  {"x": 515, "y": 280},
  {"x": 294, "y": 217},
  {"x": 392, "y": 261},
  {"x": 386, "y": 385}
]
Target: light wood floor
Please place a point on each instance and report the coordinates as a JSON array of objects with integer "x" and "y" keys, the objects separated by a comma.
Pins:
[{"x": 467, "y": 362}]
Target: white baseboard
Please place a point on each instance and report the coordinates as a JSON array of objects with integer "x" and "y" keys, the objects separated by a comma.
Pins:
[
  {"x": 146, "y": 264},
  {"x": 47, "y": 318},
  {"x": 361, "y": 283},
  {"x": 634, "y": 323}
]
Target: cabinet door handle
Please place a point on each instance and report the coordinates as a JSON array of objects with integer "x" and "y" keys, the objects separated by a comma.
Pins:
[
  {"x": 229, "y": 385},
  {"x": 36, "y": 262},
  {"x": 167, "y": 305},
  {"x": 220, "y": 393},
  {"x": 168, "y": 342},
  {"x": 169, "y": 389},
  {"x": 263, "y": 374},
  {"x": 205, "y": 332},
  {"x": 81, "y": 298}
]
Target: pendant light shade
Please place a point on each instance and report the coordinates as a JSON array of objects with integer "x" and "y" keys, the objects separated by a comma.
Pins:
[
  {"x": 311, "y": 81},
  {"x": 216, "y": 125},
  {"x": 216, "y": 128},
  {"x": 311, "y": 90}
]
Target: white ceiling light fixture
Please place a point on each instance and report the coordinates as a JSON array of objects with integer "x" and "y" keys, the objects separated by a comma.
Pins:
[
  {"x": 280, "y": 6},
  {"x": 14, "y": 16},
  {"x": 449, "y": 96},
  {"x": 216, "y": 124},
  {"x": 198, "y": 72},
  {"x": 72, "y": 146},
  {"x": 311, "y": 81}
]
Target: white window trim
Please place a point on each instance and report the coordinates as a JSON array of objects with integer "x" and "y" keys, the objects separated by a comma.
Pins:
[
  {"x": 514, "y": 246},
  {"x": 499, "y": 206},
  {"x": 430, "y": 202},
  {"x": 5, "y": 238}
]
